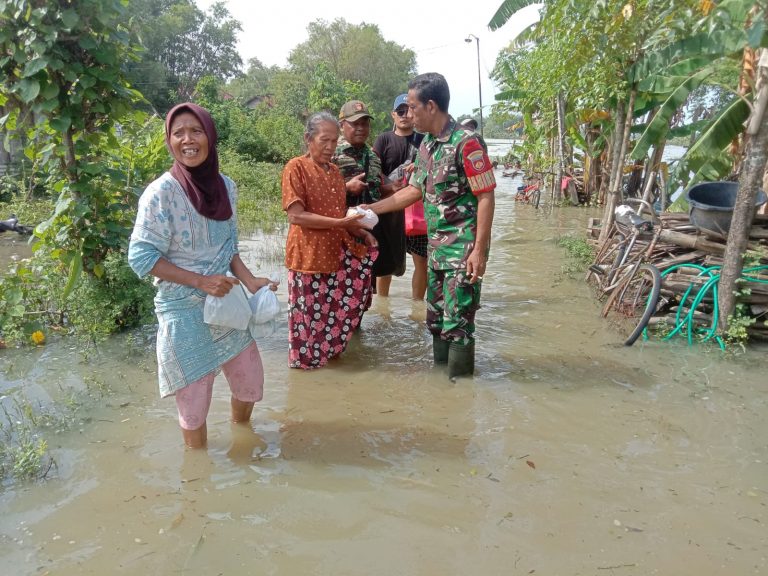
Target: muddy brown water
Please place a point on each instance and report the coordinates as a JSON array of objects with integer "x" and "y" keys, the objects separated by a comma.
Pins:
[{"x": 566, "y": 454}]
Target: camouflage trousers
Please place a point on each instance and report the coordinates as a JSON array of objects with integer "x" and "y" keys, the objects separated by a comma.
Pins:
[{"x": 451, "y": 305}]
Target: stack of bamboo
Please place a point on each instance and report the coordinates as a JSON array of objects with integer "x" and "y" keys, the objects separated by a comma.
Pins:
[{"x": 680, "y": 243}]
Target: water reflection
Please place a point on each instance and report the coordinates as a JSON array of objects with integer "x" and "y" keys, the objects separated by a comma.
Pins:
[{"x": 566, "y": 454}]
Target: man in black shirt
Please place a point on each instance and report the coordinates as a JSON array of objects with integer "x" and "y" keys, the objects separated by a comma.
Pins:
[{"x": 397, "y": 149}]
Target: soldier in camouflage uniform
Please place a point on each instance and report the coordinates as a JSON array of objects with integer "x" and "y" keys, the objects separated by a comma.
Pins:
[
  {"x": 455, "y": 178},
  {"x": 365, "y": 183}
]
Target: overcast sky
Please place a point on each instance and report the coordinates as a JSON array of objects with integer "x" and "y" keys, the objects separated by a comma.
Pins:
[{"x": 434, "y": 30}]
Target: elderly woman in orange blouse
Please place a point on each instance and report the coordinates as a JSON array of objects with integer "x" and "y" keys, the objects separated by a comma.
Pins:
[{"x": 328, "y": 254}]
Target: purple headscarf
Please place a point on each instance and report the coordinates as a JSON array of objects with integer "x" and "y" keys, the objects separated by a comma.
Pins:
[{"x": 203, "y": 184}]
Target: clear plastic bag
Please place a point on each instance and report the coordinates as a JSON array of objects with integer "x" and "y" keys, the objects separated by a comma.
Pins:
[{"x": 230, "y": 311}]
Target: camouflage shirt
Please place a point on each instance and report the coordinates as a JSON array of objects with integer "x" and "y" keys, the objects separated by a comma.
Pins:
[
  {"x": 451, "y": 170},
  {"x": 353, "y": 161}
]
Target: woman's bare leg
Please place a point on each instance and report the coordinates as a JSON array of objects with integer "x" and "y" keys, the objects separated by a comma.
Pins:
[
  {"x": 197, "y": 438},
  {"x": 241, "y": 411},
  {"x": 419, "y": 279},
  {"x": 382, "y": 285}
]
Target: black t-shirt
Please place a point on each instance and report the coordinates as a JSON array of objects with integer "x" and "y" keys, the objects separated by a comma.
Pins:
[{"x": 393, "y": 149}]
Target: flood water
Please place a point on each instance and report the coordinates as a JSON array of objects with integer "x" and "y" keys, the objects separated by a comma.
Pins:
[{"x": 566, "y": 454}]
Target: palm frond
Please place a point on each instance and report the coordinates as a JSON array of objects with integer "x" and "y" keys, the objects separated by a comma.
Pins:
[{"x": 507, "y": 10}]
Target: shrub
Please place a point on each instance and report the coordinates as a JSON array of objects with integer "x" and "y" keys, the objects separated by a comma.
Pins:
[{"x": 259, "y": 195}]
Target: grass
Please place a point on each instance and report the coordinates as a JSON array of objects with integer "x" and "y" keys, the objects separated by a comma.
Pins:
[
  {"x": 579, "y": 252},
  {"x": 24, "y": 453}
]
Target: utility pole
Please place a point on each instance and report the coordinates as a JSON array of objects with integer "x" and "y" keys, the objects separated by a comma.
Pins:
[{"x": 479, "y": 82}]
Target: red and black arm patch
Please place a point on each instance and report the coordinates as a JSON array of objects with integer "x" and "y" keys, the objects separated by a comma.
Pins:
[{"x": 477, "y": 167}]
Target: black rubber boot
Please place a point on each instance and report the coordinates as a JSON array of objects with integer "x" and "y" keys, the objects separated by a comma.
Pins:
[
  {"x": 461, "y": 360},
  {"x": 440, "y": 349}
]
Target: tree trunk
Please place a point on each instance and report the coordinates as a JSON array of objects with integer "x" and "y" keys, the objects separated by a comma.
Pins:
[
  {"x": 592, "y": 166},
  {"x": 610, "y": 200},
  {"x": 616, "y": 142},
  {"x": 626, "y": 134},
  {"x": 553, "y": 192},
  {"x": 749, "y": 184},
  {"x": 653, "y": 168},
  {"x": 560, "y": 172}
]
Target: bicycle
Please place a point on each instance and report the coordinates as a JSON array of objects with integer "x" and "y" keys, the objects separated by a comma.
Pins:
[
  {"x": 623, "y": 276},
  {"x": 530, "y": 194}
]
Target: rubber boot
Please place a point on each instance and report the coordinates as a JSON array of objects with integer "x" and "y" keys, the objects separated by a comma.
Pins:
[
  {"x": 461, "y": 360},
  {"x": 440, "y": 349}
]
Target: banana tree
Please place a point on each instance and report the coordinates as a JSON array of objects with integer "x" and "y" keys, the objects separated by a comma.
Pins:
[{"x": 670, "y": 73}]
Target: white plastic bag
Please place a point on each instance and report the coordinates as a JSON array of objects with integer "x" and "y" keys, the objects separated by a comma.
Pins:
[
  {"x": 265, "y": 307},
  {"x": 369, "y": 219},
  {"x": 230, "y": 311}
]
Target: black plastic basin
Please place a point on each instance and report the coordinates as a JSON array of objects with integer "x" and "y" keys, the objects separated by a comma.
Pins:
[{"x": 711, "y": 205}]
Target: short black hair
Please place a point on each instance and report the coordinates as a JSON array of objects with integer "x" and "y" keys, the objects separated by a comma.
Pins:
[{"x": 431, "y": 86}]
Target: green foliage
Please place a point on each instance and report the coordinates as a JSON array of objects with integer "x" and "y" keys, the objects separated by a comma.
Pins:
[
  {"x": 368, "y": 67},
  {"x": 737, "y": 334},
  {"x": 181, "y": 45},
  {"x": 29, "y": 212},
  {"x": 286, "y": 135},
  {"x": 26, "y": 305},
  {"x": 658, "y": 128},
  {"x": 580, "y": 254},
  {"x": 24, "y": 452},
  {"x": 32, "y": 299},
  {"x": 64, "y": 69},
  {"x": 118, "y": 299},
  {"x": 33, "y": 296},
  {"x": 255, "y": 82},
  {"x": 507, "y": 9},
  {"x": 259, "y": 193},
  {"x": 28, "y": 457},
  {"x": 264, "y": 134},
  {"x": 329, "y": 93},
  {"x": 682, "y": 57}
]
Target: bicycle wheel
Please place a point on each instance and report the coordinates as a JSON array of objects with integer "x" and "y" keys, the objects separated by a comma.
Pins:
[
  {"x": 535, "y": 197},
  {"x": 632, "y": 303},
  {"x": 602, "y": 271}
]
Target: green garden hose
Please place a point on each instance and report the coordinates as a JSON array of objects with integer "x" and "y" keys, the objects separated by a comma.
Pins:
[{"x": 686, "y": 320}]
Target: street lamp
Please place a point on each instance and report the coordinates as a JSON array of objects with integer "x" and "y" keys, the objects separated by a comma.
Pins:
[{"x": 479, "y": 84}]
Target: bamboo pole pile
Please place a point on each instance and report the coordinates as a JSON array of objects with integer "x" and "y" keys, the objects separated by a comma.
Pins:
[{"x": 679, "y": 243}]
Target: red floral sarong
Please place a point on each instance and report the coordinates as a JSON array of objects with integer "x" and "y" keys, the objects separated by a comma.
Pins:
[{"x": 326, "y": 309}]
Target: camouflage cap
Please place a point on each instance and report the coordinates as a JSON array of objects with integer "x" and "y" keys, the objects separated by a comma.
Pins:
[{"x": 353, "y": 111}]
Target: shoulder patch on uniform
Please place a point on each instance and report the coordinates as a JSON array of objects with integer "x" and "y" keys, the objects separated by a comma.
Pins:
[{"x": 477, "y": 167}]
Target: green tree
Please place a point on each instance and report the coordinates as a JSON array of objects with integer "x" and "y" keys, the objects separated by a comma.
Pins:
[
  {"x": 62, "y": 66},
  {"x": 255, "y": 82},
  {"x": 182, "y": 44},
  {"x": 358, "y": 54}
]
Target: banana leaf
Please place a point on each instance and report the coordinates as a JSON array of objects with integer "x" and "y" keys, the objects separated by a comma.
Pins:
[
  {"x": 507, "y": 10},
  {"x": 688, "y": 129},
  {"x": 659, "y": 126},
  {"x": 658, "y": 84},
  {"x": 719, "y": 44},
  {"x": 722, "y": 130}
]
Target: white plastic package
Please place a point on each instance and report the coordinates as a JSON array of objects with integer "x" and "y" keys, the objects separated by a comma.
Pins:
[
  {"x": 230, "y": 311},
  {"x": 264, "y": 305},
  {"x": 265, "y": 308},
  {"x": 369, "y": 219}
]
